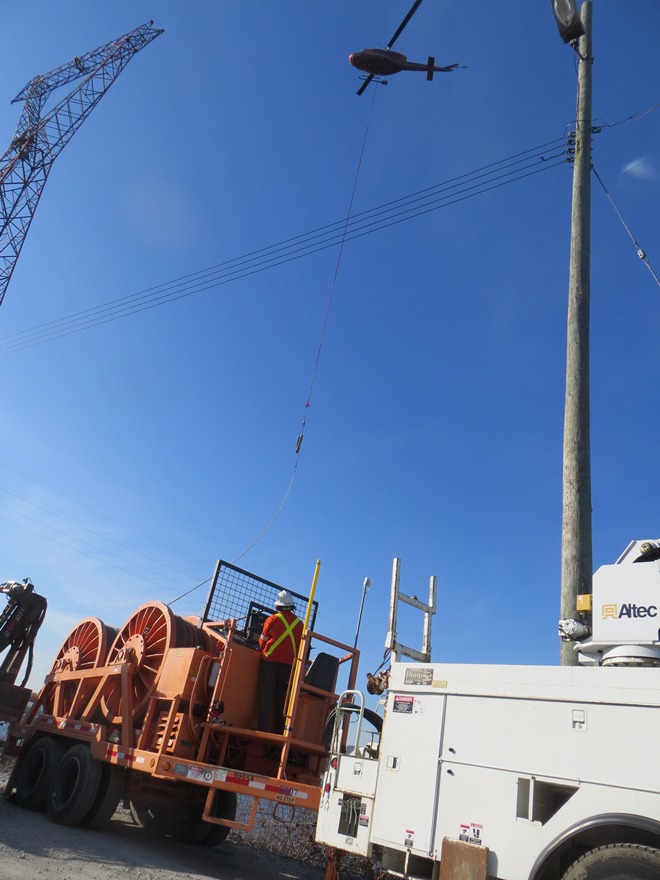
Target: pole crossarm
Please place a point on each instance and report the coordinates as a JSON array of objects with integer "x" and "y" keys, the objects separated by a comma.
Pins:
[{"x": 25, "y": 166}]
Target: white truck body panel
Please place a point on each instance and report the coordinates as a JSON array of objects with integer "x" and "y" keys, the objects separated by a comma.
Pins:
[
  {"x": 509, "y": 757},
  {"x": 521, "y": 760},
  {"x": 626, "y": 610}
]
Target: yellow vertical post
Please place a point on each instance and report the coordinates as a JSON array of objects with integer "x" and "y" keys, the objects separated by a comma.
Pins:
[
  {"x": 310, "y": 601},
  {"x": 298, "y": 662}
]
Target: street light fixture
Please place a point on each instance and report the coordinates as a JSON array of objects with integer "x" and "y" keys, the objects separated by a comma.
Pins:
[
  {"x": 569, "y": 22},
  {"x": 365, "y": 586}
]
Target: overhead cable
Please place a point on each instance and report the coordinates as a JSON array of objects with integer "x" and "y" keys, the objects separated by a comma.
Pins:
[
  {"x": 641, "y": 253},
  {"x": 77, "y": 549},
  {"x": 315, "y": 368},
  {"x": 457, "y": 189}
]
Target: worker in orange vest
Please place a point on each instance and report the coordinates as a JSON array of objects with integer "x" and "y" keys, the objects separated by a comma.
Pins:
[{"x": 278, "y": 643}]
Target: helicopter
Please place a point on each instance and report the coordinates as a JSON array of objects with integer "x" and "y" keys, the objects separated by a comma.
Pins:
[{"x": 378, "y": 63}]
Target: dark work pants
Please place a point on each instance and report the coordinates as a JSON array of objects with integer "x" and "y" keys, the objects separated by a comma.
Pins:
[{"x": 273, "y": 684}]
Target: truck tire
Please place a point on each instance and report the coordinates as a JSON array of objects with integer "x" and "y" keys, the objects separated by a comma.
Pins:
[
  {"x": 74, "y": 787},
  {"x": 617, "y": 861},
  {"x": 143, "y": 816},
  {"x": 371, "y": 718},
  {"x": 107, "y": 798},
  {"x": 187, "y": 826},
  {"x": 36, "y": 770},
  {"x": 224, "y": 807},
  {"x": 183, "y": 821},
  {"x": 158, "y": 818}
]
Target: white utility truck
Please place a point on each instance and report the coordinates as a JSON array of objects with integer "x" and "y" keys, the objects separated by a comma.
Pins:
[{"x": 512, "y": 772}]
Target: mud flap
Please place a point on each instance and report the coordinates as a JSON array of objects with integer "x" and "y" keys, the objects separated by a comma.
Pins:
[
  {"x": 430, "y": 64},
  {"x": 463, "y": 861},
  {"x": 332, "y": 865}
]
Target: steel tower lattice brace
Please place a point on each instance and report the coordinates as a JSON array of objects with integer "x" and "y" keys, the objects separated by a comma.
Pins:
[{"x": 40, "y": 139}]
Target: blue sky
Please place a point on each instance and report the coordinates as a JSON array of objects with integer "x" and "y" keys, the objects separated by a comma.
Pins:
[{"x": 137, "y": 452}]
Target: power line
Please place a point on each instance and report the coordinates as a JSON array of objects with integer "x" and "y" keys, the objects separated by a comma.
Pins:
[
  {"x": 70, "y": 546},
  {"x": 632, "y": 118},
  {"x": 130, "y": 564},
  {"x": 641, "y": 253},
  {"x": 106, "y": 516},
  {"x": 136, "y": 565},
  {"x": 432, "y": 198},
  {"x": 460, "y": 188},
  {"x": 188, "y": 592}
]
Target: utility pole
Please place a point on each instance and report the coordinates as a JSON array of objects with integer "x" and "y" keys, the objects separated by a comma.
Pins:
[{"x": 576, "y": 552}]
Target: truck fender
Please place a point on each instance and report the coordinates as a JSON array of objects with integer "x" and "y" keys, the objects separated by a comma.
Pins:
[{"x": 643, "y": 826}]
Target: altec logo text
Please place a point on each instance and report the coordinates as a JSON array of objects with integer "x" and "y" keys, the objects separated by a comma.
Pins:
[{"x": 615, "y": 612}]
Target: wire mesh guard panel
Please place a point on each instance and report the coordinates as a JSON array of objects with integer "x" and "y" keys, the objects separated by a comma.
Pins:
[{"x": 240, "y": 594}]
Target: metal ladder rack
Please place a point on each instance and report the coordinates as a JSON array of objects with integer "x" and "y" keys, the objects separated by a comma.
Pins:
[{"x": 397, "y": 648}]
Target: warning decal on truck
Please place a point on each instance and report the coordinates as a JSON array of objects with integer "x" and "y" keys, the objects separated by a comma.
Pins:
[
  {"x": 199, "y": 773},
  {"x": 471, "y": 833},
  {"x": 409, "y": 705},
  {"x": 403, "y": 705}
]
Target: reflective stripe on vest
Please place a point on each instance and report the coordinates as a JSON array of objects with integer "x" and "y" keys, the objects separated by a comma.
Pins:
[{"x": 288, "y": 631}]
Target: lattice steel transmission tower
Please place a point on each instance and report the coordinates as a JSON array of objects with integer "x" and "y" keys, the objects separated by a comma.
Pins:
[{"x": 40, "y": 139}]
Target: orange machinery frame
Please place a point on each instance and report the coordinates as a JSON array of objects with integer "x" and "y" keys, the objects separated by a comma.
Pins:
[{"x": 177, "y": 738}]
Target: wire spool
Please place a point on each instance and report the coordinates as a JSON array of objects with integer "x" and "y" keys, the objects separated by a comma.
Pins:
[
  {"x": 144, "y": 640},
  {"x": 188, "y": 635},
  {"x": 205, "y": 639},
  {"x": 86, "y": 647}
]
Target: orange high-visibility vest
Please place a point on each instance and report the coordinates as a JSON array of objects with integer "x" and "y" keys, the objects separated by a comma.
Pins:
[{"x": 280, "y": 637}]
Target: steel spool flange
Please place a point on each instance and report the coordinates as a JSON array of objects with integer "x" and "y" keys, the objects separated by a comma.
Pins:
[
  {"x": 143, "y": 640},
  {"x": 86, "y": 647}
]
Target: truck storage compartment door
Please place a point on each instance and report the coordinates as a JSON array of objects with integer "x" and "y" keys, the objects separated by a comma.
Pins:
[
  {"x": 406, "y": 797},
  {"x": 344, "y": 818}
]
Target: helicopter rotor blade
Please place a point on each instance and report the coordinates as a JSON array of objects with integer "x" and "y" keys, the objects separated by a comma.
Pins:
[
  {"x": 365, "y": 83},
  {"x": 398, "y": 31}
]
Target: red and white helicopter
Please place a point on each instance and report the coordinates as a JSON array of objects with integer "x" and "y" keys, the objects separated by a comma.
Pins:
[{"x": 378, "y": 63}]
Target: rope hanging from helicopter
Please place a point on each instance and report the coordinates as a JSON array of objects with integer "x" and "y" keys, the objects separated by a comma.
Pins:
[
  {"x": 308, "y": 401},
  {"x": 336, "y": 274}
]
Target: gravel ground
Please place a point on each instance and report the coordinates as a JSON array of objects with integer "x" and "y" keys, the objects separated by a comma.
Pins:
[{"x": 32, "y": 848}]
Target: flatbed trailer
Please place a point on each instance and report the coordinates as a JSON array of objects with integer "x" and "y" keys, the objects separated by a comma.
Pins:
[{"x": 162, "y": 713}]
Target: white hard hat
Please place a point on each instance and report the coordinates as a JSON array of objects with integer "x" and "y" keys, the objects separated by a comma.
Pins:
[{"x": 284, "y": 599}]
